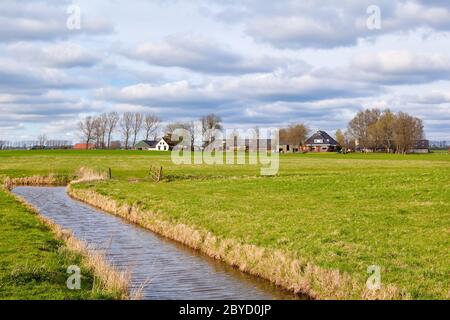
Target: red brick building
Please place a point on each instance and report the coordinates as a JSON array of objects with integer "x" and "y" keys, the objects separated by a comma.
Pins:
[{"x": 84, "y": 146}]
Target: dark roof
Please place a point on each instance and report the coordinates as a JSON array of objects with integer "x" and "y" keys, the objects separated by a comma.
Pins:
[
  {"x": 150, "y": 143},
  {"x": 422, "y": 144},
  {"x": 326, "y": 138}
]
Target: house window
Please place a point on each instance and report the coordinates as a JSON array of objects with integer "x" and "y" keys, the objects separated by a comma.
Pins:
[
  {"x": 165, "y": 148},
  {"x": 159, "y": 147},
  {"x": 318, "y": 140}
]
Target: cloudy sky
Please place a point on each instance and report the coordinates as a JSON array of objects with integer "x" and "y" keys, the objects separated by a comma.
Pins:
[{"x": 253, "y": 62}]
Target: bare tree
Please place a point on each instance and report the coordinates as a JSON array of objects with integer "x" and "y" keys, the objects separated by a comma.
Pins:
[
  {"x": 340, "y": 138},
  {"x": 407, "y": 130},
  {"x": 137, "y": 125},
  {"x": 42, "y": 140},
  {"x": 86, "y": 126},
  {"x": 210, "y": 122},
  {"x": 386, "y": 128},
  {"x": 193, "y": 131},
  {"x": 111, "y": 123},
  {"x": 375, "y": 129},
  {"x": 126, "y": 124},
  {"x": 295, "y": 134},
  {"x": 359, "y": 126},
  {"x": 151, "y": 125},
  {"x": 100, "y": 128}
]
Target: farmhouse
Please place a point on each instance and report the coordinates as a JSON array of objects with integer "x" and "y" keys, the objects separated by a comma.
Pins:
[
  {"x": 321, "y": 142},
  {"x": 153, "y": 145}
]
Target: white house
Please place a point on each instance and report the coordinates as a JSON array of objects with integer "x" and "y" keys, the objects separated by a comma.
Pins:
[{"x": 152, "y": 145}]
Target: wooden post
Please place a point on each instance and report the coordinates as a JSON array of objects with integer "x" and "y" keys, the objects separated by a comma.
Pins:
[
  {"x": 160, "y": 174},
  {"x": 155, "y": 173},
  {"x": 109, "y": 173}
]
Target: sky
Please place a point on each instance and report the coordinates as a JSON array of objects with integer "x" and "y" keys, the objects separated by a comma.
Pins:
[{"x": 253, "y": 62}]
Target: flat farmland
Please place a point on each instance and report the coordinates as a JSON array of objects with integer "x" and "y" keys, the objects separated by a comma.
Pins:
[{"x": 343, "y": 212}]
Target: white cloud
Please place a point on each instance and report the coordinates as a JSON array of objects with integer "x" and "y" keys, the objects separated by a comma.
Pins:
[
  {"x": 203, "y": 55},
  {"x": 241, "y": 59},
  {"x": 45, "y": 20},
  {"x": 331, "y": 24},
  {"x": 402, "y": 67},
  {"x": 60, "y": 55}
]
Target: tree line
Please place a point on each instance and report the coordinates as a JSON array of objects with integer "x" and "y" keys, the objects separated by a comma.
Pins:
[
  {"x": 370, "y": 129},
  {"x": 99, "y": 130},
  {"x": 133, "y": 126},
  {"x": 377, "y": 130}
]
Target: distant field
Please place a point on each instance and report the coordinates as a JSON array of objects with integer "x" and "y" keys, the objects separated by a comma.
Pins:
[{"x": 338, "y": 211}]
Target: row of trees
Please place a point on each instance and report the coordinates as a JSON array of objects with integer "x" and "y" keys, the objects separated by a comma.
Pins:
[
  {"x": 373, "y": 129},
  {"x": 99, "y": 130},
  {"x": 200, "y": 131}
]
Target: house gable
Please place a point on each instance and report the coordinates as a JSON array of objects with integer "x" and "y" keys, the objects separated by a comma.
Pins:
[
  {"x": 321, "y": 138},
  {"x": 162, "y": 145}
]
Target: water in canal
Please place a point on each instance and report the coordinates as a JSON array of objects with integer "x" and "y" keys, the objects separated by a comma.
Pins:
[{"x": 168, "y": 269}]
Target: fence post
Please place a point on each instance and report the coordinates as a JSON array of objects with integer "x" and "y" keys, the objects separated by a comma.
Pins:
[{"x": 109, "y": 173}]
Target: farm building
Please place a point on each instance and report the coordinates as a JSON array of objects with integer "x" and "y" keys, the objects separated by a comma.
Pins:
[
  {"x": 321, "y": 142},
  {"x": 153, "y": 145},
  {"x": 84, "y": 146},
  {"x": 421, "y": 146},
  {"x": 286, "y": 147},
  {"x": 239, "y": 144}
]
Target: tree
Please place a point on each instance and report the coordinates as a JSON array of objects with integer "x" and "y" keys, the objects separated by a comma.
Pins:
[
  {"x": 209, "y": 123},
  {"x": 42, "y": 140},
  {"x": 386, "y": 129},
  {"x": 350, "y": 142},
  {"x": 359, "y": 126},
  {"x": 100, "y": 128},
  {"x": 112, "y": 120},
  {"x": 171, "y": 127},
  {"x": 193, "y": 130},
  {"x": 86, "y": 126},
  {"x": 126, "y": 124},
  {"x": 407, "y": 130},
  {"x": 151, "y": 125},
  {"x": 297, "y": 134},
  {"x": 137, "y": 125},
  {"x": 340, "y": 138},
  {"x": 375, "y": 136}
]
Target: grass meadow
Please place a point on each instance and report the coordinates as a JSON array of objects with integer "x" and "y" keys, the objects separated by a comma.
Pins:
[
  {"x": 343, "y": 212},
  {"x": 33, "y": 262}
]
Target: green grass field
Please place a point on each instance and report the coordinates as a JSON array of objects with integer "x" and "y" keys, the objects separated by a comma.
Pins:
[
  {"x": 33, "y": 264},
  {"x": 344, "y": 212}
]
